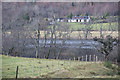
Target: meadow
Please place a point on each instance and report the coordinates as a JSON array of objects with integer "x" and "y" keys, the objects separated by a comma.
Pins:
[
  {"x": 51, "y": 68},
  {"x": 95, "y": 26}
]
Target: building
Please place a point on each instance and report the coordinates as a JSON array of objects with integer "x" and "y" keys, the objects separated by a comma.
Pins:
[
  {"x": 79, "y": 19},
  {"x": 60, "y": 19},
  {"x": 75, "y": 19}
]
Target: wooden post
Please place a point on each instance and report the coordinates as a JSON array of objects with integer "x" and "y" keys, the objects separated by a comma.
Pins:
[
  {"x": 116, "y": 61},
  {"x": 17, "y": 72},
  {"x": 90, "y": 58},
  {"x": 70, "y": 61},
  {"x": 78, "y": 58},
  {"x": 44, "y": 56},
  {"x": 94, "y": 58},
  {"x": 57, "y": 57},
  {"x": 104, "y": 58},
  {"x": 86, "y": 58},
  {"x": 58, "y": 63},
  {"x": 82, "y": 58},
  {"x": 74, "y": 58}
]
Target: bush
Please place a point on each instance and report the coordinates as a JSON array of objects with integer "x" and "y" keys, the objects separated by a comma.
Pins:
[
  {"x": 26, "y": 16},
  {"x": 115, "y": 70},
  {"x": 108, "y": 64},
  {"x": 110, "y": 73},
  {"x": 118, "y": 73}
]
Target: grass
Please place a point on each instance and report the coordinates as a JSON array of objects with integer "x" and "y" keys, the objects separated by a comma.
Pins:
[
  {"x": 77, "y": 34},
  {"x": 105, "y": 26},
  {"x": 0, "y": 67},
  {"x": 42, "y": 68}
]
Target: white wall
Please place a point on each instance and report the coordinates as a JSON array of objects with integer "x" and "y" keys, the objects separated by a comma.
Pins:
[
  {"x": 73, "y": 20},
  {"x": 82, "y": 20}
]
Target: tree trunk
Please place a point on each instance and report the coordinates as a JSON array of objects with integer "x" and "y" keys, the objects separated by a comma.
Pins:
[
  {"x": 101, "y": 35},
  {"x": 86, "y": 34},
  {"x": 38, "y": 38},
  {"x": 106, "y": 58}
]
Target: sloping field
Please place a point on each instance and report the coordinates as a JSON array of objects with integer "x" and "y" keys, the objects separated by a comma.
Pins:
[{"x": 50, "y": 68}]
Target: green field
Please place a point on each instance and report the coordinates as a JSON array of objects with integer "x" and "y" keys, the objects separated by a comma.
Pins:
[
  {"x": 96, "y": 26},
  {"x": 42, "y": 68}
]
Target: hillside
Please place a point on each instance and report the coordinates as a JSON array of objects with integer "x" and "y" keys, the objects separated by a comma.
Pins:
[
  {"x": 13, "y": 13},
  {"x": 42, "y": 68}
]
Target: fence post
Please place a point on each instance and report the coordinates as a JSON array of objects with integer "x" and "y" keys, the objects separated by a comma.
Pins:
[
  {"x": 116, "y": 61},
  {"x": 57, "y": 57},
  {"x": 94, "y": 58},
  {"x": 82, "y": 58},
  {"x": 17, "y": 72},
  {"x": 90, "y": 58},
  {"x": 70, "y": 61},
  {"x": 86, "y": 58},
  {"x": 74, "y": 58},
  {"x": 58, "y": 63},
  {"x": 44, "y": 56},
  {"x": 78, "y": 58},
  {"x": 104, "y": 58}
]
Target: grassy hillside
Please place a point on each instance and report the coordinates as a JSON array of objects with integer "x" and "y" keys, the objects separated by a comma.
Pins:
[{"x": 37, "y": 68}]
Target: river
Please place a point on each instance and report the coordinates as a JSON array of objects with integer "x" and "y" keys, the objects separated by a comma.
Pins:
[{"x": 85, "y": 44}]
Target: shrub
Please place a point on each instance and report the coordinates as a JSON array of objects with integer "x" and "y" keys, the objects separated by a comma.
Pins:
[
  {"x": 108, "y": 64},
  {"x": 26, "y": 16},
  {"x": 115, "y": 70},
  {"x": 118, "y": 73},
  {"x": 110, "y": 73}
]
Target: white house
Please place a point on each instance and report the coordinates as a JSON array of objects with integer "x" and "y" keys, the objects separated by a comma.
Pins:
[
  {"x": 79, "y": 19},
  {"x": 60, "y": 19},
  {"x": 75, "y": 19}
]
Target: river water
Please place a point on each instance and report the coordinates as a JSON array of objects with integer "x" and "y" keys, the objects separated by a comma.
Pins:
[{"x": 85, "y": 44}]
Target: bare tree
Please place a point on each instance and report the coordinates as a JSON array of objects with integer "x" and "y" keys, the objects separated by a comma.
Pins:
[
  {"x": 107, "y": 45},
  {"x": 87, "y": 30}
]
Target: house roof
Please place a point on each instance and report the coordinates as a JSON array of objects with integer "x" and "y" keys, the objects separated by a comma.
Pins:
[
  {"x": 80, "y": 17},
  {"x": 76, "y": 17}
]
